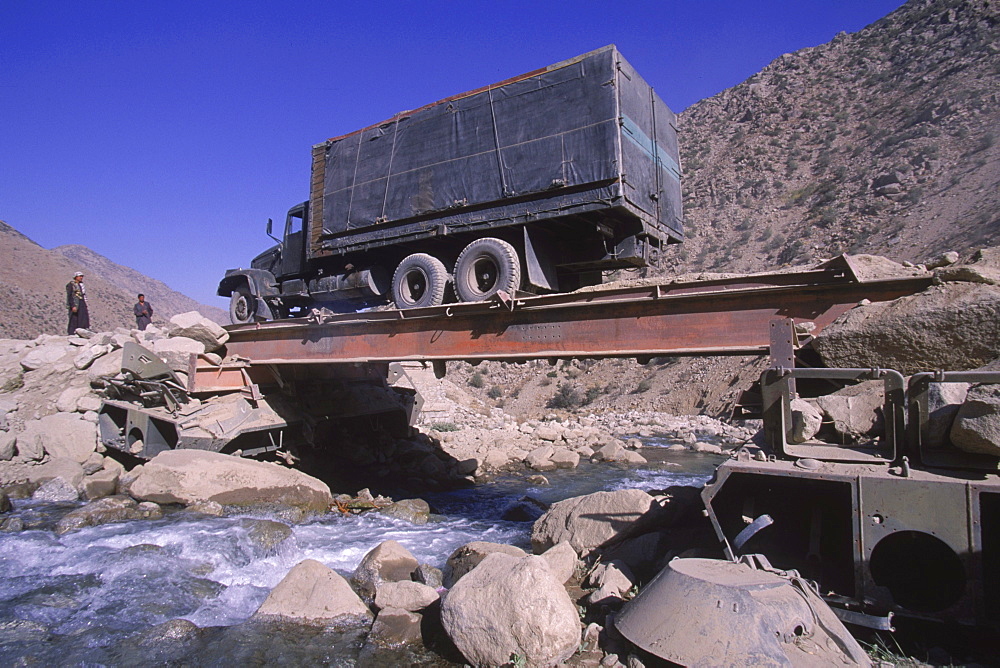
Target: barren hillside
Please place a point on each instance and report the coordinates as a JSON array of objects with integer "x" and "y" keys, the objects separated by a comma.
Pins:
[
  {"x": 33, "y": 294},
  {"x": 883, "y": 141}
]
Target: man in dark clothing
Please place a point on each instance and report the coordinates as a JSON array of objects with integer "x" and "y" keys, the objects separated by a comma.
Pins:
[
  {"x": 143, "y": 313},
  {"x": 76, "y": 302}
]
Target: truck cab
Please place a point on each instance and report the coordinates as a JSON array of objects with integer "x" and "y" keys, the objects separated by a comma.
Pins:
[
  {"x": 268, "y": 288},
  {"x": 284, "y": 282}
]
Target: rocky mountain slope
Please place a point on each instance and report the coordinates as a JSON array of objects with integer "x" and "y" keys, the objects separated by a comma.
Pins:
[
  {"x": 883, "y": 141},
  {"x": 33, "y": 296},
  {"x": 164, "y": 300}
]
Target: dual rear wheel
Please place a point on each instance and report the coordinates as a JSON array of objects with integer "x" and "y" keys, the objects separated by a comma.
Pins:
[{"x": 484, "y": 267}]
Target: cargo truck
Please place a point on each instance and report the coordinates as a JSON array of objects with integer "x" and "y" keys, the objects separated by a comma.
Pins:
[{"x": 537, "y": 184}]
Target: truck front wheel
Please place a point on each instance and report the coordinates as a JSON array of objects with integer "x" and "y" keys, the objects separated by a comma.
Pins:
[
  {"x": 485, "y": 267},
  {"x": 419, "y": 281},
  {"x": 242, "y": 306}
]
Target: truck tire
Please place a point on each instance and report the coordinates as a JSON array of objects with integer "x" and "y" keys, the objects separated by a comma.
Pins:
[
  {"x": 242, "y": 306},
  {"x": 485, "y": 267},
  {"x": 419, "y": 281}
]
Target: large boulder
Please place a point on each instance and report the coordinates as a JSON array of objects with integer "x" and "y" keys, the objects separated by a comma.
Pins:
[
  {"x": 854, "y": 411},
  {"x": 511, "y": 607},
  {"x": 467, "y": 557},
  {"x": 313, "y": 593},
  {"x": 589, "y": 521},
  {"x": 984, "y": 268},
  {"x": 193, "y": 325},
  {"x": 176, "y": 353},
  {"x": 192, "y": 476},
  {"x": 63, "y": 435},
  {"x": 976, "y": 427},
  {"x": 943, "y": 402},
  {"x": 44, "y": 355},
  {"x": 388, "y": 561},
  {"x": 89, "y": 354},
  {"x": 950, "y": 326},
  {"x": 68, "y": 470}
]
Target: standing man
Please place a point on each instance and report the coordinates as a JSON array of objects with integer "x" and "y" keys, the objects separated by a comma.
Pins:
[
  {"x": 143, "y": 313},
  {"x": 76, "y": 301}
]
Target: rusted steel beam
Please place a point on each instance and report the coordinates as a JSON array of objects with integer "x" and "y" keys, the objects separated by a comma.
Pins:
[{"x": 722, "y": 317}]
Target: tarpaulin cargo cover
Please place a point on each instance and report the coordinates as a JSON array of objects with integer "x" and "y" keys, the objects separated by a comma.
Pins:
[{"x": 586, "y": 139}]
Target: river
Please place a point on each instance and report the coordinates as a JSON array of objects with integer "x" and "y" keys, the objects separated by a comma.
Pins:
[{"x": 93, "y": 597}]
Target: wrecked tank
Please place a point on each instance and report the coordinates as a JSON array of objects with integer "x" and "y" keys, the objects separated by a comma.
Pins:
[
  {"x": 233, "y": 409},
  {"x": 712, "y": 612},
  {"x": 894, "y": 525}
]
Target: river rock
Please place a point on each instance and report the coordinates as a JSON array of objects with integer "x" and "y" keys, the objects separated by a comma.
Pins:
[
  {"x": 107, "y": 510},
  {"x": 564, "y": 458},
  {"x": 404, "y": 595},
  {"x": 525, "y": 509},
  {"x": 7, "y": 443},
  {"x": 617, "y": 452},
  {"x": 976, "y": 427},
  {"x": 100, "y": 484},
  {"x": 311, "y": 592},
  {"x": 192, "y": 476},
  {"x": 266, "y": 535},
  {"x": 415, "y": 511},
  {"x": 194, "y": 325},
  {"x": 511, "y": 606},
  {"x": 394, "y": 627},
  {"x": 5, "y": 505},
  {"x": 429, "y": 575},
  {"x": 562, "y": 561},
  {"x": 470, "y": 555},
  {"x": 56, "y": 490},
  {"x": 12, "y": 525},
  {"x": 950, "y": 326},
  {"x": 388, "y": 561},
  {"x": 589, "y": 521},
  {"x": 540, "y": 459}
]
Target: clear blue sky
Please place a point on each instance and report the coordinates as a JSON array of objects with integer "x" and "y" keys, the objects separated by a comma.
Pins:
[{"x": 164, "y": 134}]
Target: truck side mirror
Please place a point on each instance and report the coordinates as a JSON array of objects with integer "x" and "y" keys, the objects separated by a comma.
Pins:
[{"x": 270, "y": 224}]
